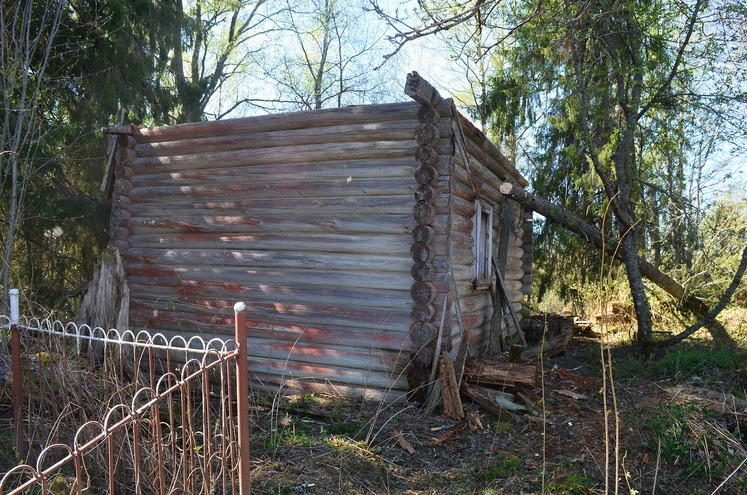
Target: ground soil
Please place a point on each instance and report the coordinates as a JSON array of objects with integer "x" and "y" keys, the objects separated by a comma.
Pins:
[{"x": 655, "y": 443}]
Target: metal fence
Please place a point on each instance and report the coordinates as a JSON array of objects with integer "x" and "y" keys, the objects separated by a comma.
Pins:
[{"x": 145, "y": 413}]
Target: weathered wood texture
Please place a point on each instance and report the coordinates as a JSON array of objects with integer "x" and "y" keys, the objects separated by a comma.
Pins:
[
  {"x": 339, "y": 228},
  {"x": 475, "y": 175},
  {"x": 306, "y": 217}
]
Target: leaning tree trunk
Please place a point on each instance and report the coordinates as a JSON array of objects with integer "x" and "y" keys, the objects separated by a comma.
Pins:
[{"x": 597, "y": 238}]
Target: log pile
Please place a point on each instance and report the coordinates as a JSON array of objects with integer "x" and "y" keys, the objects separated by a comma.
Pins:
[
  {"x": 500, "y": 387},
  {"x": 495, "y": 385}
]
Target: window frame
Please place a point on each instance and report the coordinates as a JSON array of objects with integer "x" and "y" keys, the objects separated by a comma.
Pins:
[{"x": 482, "y": 247}]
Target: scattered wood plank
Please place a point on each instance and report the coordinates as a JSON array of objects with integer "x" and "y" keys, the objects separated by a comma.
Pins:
[
  {"x": 485, "y": 401},
  {"x": 499, "y": 373},
  {"x": 450, "y": 389}
]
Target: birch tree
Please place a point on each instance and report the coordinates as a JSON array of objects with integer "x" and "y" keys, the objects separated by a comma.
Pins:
[{"x": 28, "y": 36}]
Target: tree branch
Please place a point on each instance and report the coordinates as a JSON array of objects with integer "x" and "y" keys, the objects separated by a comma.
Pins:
[{"x": 723, "y": 302}]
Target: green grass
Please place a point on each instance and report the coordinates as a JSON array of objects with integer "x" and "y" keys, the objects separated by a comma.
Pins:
[{"x": 692, "y": 362}]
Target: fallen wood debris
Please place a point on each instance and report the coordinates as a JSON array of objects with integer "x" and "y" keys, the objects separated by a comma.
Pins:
[
  {"x": 485, "y": 401},
  {"x": 717, "y": 401},
  {"x": 449, "y": 388},
  {"x": 403, "y": 443},
  {"x": 530, "y": 403},
  {"x": 500, "y": 373},
  {"x": 573, "y": 395},
  {"x": 551, "y": 347},
  {"x": 473, "y": 420},
  {"x": 449, "y": 435}
]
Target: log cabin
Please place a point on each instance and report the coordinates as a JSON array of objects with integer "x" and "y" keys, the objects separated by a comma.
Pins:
[{"x": 364, "y": 240}]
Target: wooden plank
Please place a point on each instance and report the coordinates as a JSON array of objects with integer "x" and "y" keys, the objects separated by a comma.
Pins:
[
  {"x": 450, "y": 389},
  {"x": 292, "y": 120}
]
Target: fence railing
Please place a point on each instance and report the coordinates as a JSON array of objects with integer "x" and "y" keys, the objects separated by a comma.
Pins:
[{"x": 144, "y": 413}]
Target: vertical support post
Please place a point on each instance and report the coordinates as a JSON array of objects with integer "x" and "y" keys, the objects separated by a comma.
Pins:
[
  {"x": 15, "y": 344},
  {"x": 242, "y": 399}
]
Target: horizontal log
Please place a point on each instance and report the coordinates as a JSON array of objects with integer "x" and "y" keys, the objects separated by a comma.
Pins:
[
  {"x": 513, "y": 274},
  {"x": 460, "y": 207},
  {"x": 293, "y": 120},
  {"x": 356, "y": 224},
  {"x": 426, "y": 155},
  {"x": 317, "y": 379},
  {"x": 478, "y": 178},
  {"x": 382, "y": 244},
  {"x": 422, "y": 252},
  {"x": 256, "y": 259},
  {"x": 427, "y": 114},
  {"x": 323, "y": 354},
  {"x": 285, "y": 155},
  {"x": 422, "y": 91},
  {"x": 367, "y": 131},
  {"x": 384, "y": 284},
  {"x": 270, "y": 384},
  {"x": 425, "y": 193},
  {"x": 330, "y": 170},
  {"x": 267, "y": 324},
  {"x": 423, "y": 233},
  {"x": 306, "y": 309},
  {"x": 274, "y": 208},
  {"x": 422, "y": 333},
  {"x": 426, "y": 175},
  {"x": 499, "y": 373},
  {"x": 423, "y": 271},
  {"x": 302, "y": 188},
  {"x": 373, "y": 304},
  {"x": 328, "y": 353}
]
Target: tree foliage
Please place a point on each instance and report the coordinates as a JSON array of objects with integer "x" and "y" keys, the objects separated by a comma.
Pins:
[{"x": 624, "y": 109}]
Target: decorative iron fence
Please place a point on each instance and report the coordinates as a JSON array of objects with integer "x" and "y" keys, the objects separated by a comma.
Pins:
[{"x": 149, "y": 414}]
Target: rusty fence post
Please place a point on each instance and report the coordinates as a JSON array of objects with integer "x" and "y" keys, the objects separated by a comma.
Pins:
[
  {"x": 15, "y": 351},
  {"x": 242, "y": 399}
]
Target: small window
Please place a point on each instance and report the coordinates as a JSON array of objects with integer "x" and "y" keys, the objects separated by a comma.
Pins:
[{"x": 482, "y": 232}]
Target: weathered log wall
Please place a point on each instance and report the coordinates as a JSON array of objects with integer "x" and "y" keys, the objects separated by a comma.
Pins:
[
  {"x": 307, "y": 217},
  {"x": 476, "y": 170},
  {"x": 343, "y": 230}
]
